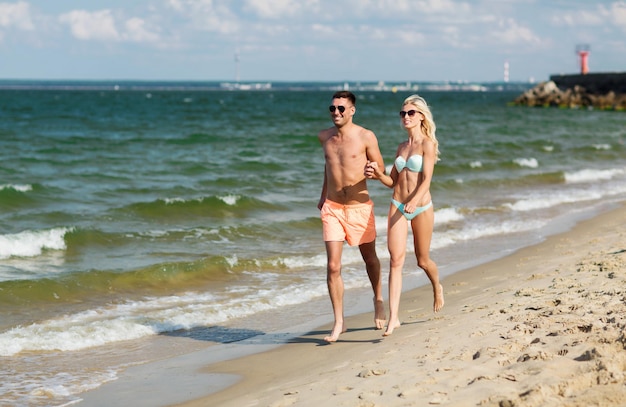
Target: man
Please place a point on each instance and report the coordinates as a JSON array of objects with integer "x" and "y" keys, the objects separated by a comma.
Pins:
[{"x": 345, "y": 207}]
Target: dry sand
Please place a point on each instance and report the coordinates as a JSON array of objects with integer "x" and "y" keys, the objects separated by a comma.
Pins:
[{"x": 544, "y": 326}]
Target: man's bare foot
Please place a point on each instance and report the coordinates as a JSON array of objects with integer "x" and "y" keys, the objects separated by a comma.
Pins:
[
  {"x": 438, "y": 303},
  {"x": 379, "y": 314},
  {"x": 338, "y": 329},
  {"x": 391, "y": 327}
]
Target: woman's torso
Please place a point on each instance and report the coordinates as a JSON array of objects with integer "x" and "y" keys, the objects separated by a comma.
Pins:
[{"x": 409, "y": 164}]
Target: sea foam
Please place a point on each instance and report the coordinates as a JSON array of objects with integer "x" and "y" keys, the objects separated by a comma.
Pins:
[
  {"x": 20, "y": 188},
  {"x": 527, "y": 162},
  {"x": 153, "y": 315},
  {"x": 589, "y": 175},
  {"x": 32, "y": 243},
  {"x": 552, "y": 200}
]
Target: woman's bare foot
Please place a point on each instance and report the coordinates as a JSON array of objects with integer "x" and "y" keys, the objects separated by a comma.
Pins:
[
  {"x": 438, "y": 303},
  {"x": 391, "y": 327},
  {"x": 379, "y": 314},
  {"x": 338, "y": 329}
]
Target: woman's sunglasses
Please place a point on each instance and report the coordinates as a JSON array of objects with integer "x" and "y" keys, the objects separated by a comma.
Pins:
[{"x": 411, "y": 113}]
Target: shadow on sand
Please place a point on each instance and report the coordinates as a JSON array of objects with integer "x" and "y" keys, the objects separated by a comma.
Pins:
[{"x": 220, "y": 334}]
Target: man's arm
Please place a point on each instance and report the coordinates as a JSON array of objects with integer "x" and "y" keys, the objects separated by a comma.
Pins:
[
  {"x": 322, "y": 137},
  {"x": 324, "y": 191},
  {"x": 372, "y": 151}
]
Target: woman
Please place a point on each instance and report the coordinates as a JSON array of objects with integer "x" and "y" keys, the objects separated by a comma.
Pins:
[{"x": 411, "y": 202}]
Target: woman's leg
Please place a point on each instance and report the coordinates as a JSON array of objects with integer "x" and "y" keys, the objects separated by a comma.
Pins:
[
  {"x": 422, "y": 226},
  {"x": 397, "y": 229}
]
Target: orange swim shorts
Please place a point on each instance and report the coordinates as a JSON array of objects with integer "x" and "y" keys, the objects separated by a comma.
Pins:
[{"x": 352, "y": 223}]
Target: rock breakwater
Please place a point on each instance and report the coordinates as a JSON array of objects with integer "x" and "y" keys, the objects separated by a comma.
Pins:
[{"x": 602, "y": 91}]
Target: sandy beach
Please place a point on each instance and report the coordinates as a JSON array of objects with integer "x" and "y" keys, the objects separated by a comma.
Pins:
[{"x": 544, "y": 326}]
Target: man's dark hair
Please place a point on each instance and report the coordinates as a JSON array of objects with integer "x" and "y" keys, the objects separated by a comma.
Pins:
[{"x": 345, "y": 94}]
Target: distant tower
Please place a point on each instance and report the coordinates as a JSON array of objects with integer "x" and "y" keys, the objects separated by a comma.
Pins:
[
  {"x": 506, "y": 71},
  {"x": 237, "y": 66},
  {"x": 583, "y": 54}
]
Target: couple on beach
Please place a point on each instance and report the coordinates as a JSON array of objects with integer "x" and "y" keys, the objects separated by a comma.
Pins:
[{"x": 352, "y": 156}]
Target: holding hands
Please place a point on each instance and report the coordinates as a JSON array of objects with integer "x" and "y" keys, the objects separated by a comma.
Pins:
[{"x": 372, "y": 171}]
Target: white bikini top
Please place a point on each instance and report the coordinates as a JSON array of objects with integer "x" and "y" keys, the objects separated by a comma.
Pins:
[{"x": 413, "y": 164}]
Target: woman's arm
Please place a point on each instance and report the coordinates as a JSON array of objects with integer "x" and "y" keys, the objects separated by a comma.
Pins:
[{"x": 373, "y": 171}]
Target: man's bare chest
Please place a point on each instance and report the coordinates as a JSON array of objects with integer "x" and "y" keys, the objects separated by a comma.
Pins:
[{"x": 343, "y": 150}]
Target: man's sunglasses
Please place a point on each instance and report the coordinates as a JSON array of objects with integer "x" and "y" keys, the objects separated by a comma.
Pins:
[
  {"x": 411, "y": 113},
  {"x": 340, "y": 108}
]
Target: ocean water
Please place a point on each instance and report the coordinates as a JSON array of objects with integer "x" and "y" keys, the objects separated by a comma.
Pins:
[{"x": 144, "y": 221}]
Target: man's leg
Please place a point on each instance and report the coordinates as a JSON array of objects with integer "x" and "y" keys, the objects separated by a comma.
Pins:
[
  {"x": 372, "y": 265},
  {"x": 335, "y": 287}
]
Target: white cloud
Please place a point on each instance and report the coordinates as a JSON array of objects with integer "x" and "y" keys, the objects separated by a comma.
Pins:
[
  {"x": 136, "y": 31},
  {"x": 101, "y": 26},
  {"x": 580, "y": 18},
  {"x": 323, "y": 29},
  {"x": 618, "y": 14},
  {"x": 177, "y": 5},
  {"x": 510, "y": 32},
  {"x": 375, "y": 33},
  {"x": 453, "y": 36},
  {"x": 615, "y": 13},
  {"x": 280, "y": 8},
  {"x": 207, "y": 15},
  {"x": 98, "y": 25},
  {"x": 16, "y": 15},
  {"x": 441, "y": 6},
  {"x": 409, "y": 38}
]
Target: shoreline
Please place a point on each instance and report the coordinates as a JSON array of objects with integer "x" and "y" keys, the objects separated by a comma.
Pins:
[{"x": 539, "y": 326}]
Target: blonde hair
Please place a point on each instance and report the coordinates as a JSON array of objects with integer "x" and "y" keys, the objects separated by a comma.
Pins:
[{"x": 428, "y": 124}]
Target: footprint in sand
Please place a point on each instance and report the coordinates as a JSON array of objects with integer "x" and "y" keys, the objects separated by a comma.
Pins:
[
  {"x": 372, "y": 372},
  {"x": 288, "y": 400},
  {"x": 411, "y": 393},
  {"x": 438, "y": 398},
  {"x": 370, "y": 394}
]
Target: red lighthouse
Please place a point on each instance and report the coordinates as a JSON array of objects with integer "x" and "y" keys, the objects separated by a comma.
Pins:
[{"x": 583, "y": 55}]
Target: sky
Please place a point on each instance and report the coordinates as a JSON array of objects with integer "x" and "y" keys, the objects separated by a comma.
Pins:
[{"x": 309, "y": 40}]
